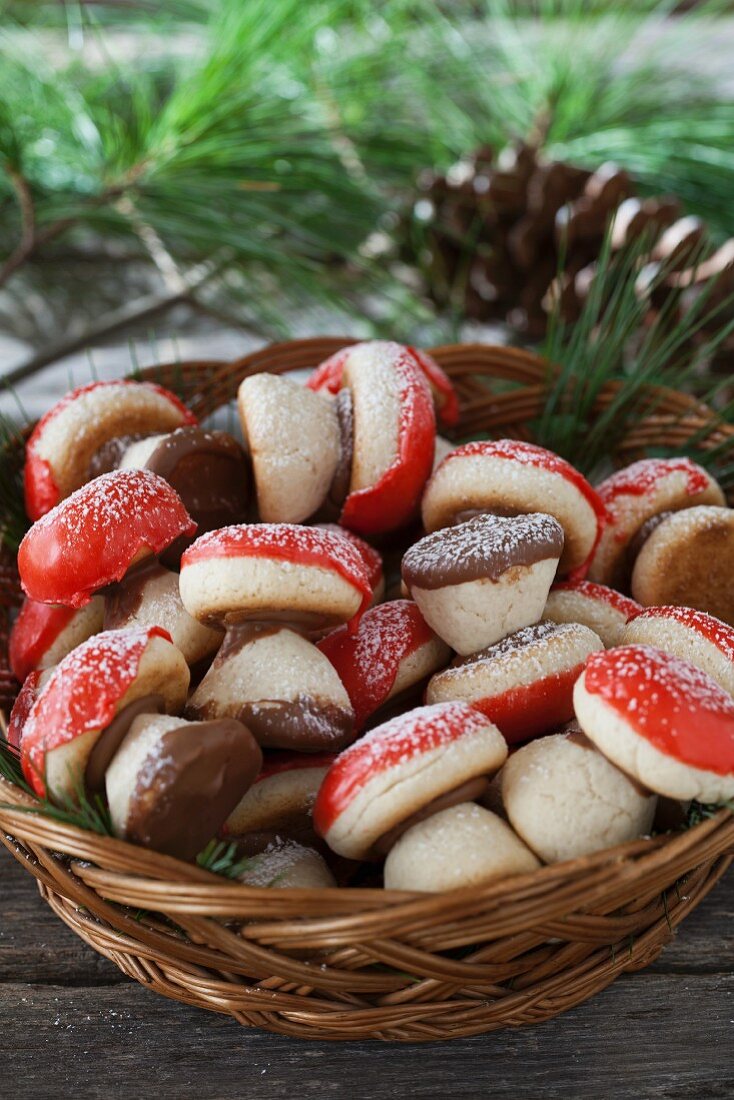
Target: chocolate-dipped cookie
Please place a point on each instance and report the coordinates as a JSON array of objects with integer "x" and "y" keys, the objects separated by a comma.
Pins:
[
  {"x": 72, "y": 729},
  {"x": 523, "y": 683},
  {"x": 44, "y": 633},
  {"x": 60, "y": 447},
  {"x": 484, "y": 579},
  {"x": 565, "y": 799},
  {"x": 403, "y": 771},
  {"x": 511, "y": 477},
  {"x": 295, "y": 442},
  {"x": 209, "y": 471},
  {"x": 688, "y": 558},
  {"x": 271, "y": 583},
  {"x": 602, "y": 609},
  {"x": 636, "y": 494},
  {"x": 282, "y": 688},
  {"x": 171, "y": 784},
  {"x": 464, "y": 845}
]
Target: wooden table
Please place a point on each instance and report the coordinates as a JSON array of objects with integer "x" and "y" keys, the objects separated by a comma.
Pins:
[{"x": 73, "y": 1026}]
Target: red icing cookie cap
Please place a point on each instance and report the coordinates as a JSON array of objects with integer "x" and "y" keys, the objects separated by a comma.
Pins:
[
  {"x": 90, "y": 539},
  {"x": 82, "y": 694},
  {"x": 708, "y": 626},
  {"x": 669, "y": 702},
  {"x": 601, "y": 592}
]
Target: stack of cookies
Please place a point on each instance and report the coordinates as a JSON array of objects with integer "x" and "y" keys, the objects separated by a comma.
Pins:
[{"x": 206, "y": 643}]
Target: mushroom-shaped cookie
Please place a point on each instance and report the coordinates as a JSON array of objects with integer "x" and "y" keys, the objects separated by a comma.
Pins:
[
  {"x": 602, "y": 609},
  {"x": 687, "y": 558},
  {"x": 284, "y": 864},
  {"x": 387, "y": 659},
  {"x": 638, "y": 493},
  {"x": 96, "y": 535},
  {"x": 327, "y": 378},
  {"x": 77, "y": 721},
  {"x": 524, "y": 683},
  {"x": 63, "y": 442},
  {"x": 393, "y": 432},
  {"x": 171, "y": 783},
  {"x": 661, "y": 720},
  {"x": 209, "y": 471},
  {"x": 403, "y": 771},
  {"x": 464, "y": 845},
  {"x": 263, "y": 581},
  {"x": 44, "y": 633},
  {"x": 280, "y": 801},
  {"x": 149, "y": 596},
  {"x": 295, "y": 441},
  {"x": 484, "y": 579},
  {"x": 692, "y": 635},
  {"x": 511, "y": 477},
  {"x": 566, "y": 800}
]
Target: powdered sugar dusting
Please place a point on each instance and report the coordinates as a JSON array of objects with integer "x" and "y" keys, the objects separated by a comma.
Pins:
[
  {"x": 368, "y": 660},
  {"x": 600, "y": 592},
  {"x": 714, "y": 630},
  {"x": 642, "y": 477},
  {"x": 484, "y": 541},
  {"x": 288, "y": 542},
  {"x": 83, "y": 692},
  {"x": 670, "y": 702}
]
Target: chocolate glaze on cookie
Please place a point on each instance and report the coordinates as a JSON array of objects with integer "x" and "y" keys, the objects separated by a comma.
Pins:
[
  {"x": 112, "y": 737},
  {"x": 196, "y": 779},
  {"x": 514, "y": 642},
  {"x": 483, "y": 547},
  {"x": 339, "y": 488},
  {"x": 124, "y": 599},
  {"x": 107, "y": 457}
]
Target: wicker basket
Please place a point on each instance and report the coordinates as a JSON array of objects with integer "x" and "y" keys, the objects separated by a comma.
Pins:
[{"x": 351, "y": 964}]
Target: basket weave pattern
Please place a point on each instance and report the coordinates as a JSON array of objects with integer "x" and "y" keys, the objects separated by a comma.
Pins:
[{"x": 359, "y": 963}]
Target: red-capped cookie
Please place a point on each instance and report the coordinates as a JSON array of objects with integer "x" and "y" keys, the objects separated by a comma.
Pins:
[
  {"x": 275, "y": 571},
  {"x": 372, "y": 558},
  {"x": 62, "y": 742},
  {"x": 393, "y": 431},
  {"x": 44, "y": 633},
  {"x": 281, "y": 799},
  {"x": 511, "y": 477},
  {"x": 63, "y": 442},
  {"x": 327, "y": 378},
  {"x": 171, "y": 784},
  {"x": 692, "y": 635},
  {"x": 637, "y": 493},
  {"x": 524, "y": 683},
  {"x": 391, "y": 653},
  {"x": 602, "y": 609},
  {"x": 661, "y": 720},
  {"x": 485, "y": 578},
  {"x": 402, "y": 772},
  {"x": 96, "y": 535},
  {"x": 31, "y": 688}
]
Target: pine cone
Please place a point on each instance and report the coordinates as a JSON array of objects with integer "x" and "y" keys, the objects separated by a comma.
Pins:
[{"x": 499, "y": 228}]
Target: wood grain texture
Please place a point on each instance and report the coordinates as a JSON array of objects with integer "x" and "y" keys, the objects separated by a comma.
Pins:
[{"x": 78, "y": 1027}]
